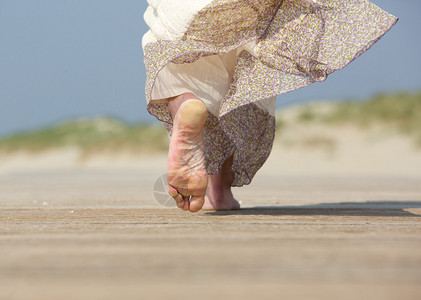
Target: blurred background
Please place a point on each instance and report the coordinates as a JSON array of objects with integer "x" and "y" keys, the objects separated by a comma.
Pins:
[{"x": 72, "y": 94}]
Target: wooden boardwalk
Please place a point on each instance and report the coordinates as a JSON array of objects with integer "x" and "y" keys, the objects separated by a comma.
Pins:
[{"x": 99, "y": 235}]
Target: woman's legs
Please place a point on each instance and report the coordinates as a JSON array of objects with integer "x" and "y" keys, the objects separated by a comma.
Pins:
[
  {"x": 219, "y": 195},
  {"x": 186, "y": 172}
]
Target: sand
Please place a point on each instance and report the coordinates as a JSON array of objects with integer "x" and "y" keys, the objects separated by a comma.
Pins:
[
  {"x": 300, "y": 148},
  {"x": 101, "y": 235},
  {"x": 319, "y": 222}
]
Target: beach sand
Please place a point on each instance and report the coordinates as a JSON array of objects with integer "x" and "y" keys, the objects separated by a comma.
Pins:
[
  {"x": 316, "y": 223},
  {"x": 102, "y": 235}
]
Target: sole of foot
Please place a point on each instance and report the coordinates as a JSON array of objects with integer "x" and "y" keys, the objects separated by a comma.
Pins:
[{"x": 186, "y": 173}]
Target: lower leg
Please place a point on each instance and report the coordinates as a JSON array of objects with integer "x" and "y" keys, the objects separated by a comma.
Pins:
[{"x": 219, "y": 195}]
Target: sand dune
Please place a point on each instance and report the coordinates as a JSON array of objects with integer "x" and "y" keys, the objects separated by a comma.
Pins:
[
  {"x": 297, "y": 150},
  {"x": 305, "y": 142}
]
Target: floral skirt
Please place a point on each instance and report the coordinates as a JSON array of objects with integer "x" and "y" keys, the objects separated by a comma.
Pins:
[{"x": 238, "y": 55}]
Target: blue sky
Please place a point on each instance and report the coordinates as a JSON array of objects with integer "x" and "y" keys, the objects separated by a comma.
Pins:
[{"x": 80, "y": 58}]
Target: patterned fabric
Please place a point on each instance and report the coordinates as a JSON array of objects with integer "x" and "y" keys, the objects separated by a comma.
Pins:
[{"x": 298, "y": 42}]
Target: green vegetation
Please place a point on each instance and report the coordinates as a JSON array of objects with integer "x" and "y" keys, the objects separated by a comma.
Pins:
[
  {"x": 398, "y": 112},
  {"x": 394, "y": 112},
  {"x": 91, "y": 136},
  {"x": 403, "y": 110},
  {"x": 307, "y": 114}
]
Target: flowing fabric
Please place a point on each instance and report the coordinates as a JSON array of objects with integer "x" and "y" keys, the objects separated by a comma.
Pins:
[{"x": 237, "y": 55}]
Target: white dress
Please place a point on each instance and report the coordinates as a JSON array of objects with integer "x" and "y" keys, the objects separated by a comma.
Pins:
[{"x": 209, "y": 77}]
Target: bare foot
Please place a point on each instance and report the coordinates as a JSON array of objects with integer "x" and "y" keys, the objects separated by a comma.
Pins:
[
  {"x": 186, "y": 173},
  {"x": 219, "y": 195}
]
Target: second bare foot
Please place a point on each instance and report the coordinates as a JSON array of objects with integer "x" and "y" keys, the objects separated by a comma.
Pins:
[{"x": 219, "y": 195}]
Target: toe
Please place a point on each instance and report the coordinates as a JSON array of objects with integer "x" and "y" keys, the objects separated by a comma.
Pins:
[
  {"x": 196, "y": 203},
  {"x": 180, "y": 204},
  {"x": 172, "y": 191},
  {"x": 179, "y": 199},
  {"x": 186, "y": 205}
]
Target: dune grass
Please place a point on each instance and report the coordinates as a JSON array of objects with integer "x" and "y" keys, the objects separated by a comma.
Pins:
[
  {"x": 399, "y": 112},
  {"x": 395, "y": 112},
  {"x": 90, "y": 136}
]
